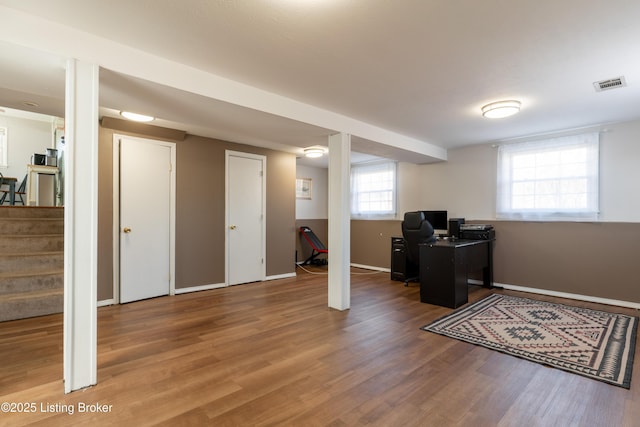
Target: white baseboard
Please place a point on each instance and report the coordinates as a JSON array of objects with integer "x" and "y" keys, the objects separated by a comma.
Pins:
[
  {"x": 223, "y": 285},
  {"x": 370, "y": 267},
  {"x": 280, "y": 276},
  {"x": 579, "y": 297},
  {"x": 199, "y": 288}
]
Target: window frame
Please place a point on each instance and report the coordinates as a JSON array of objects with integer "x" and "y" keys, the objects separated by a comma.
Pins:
[
  {"x": 371, "y": 167},
  {"x": 586, "y": 170}
]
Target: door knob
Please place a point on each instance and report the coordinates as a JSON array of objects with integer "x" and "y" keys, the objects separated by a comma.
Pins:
[
  {"x": 233, "y": 227},
  {"x": 126, "y": 230}
]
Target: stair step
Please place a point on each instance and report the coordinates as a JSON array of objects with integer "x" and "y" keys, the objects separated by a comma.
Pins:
[
  {"x": 30, "y": 304},
  {"x": 31, "y": 212},
  {"x": 32, "y": 262},
  {"x": 29, "y": 243},
  {"x": 25, "y": 282},
  {"x": 31, "y": 226}
]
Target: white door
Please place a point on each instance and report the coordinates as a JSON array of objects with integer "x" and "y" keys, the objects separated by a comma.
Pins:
[
  {"x": 245, "y": 218},
  {"x": 145, "y": 218}
]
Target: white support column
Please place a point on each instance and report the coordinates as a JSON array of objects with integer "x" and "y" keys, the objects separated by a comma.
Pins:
[
  {"x": 81, "y": 220},
  {"x": 339, "y": 221}
]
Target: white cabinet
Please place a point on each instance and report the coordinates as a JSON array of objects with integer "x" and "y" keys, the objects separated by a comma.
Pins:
[{"x": 42, "y": 183}]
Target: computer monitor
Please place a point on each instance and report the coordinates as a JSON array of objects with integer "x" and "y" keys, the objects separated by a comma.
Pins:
[{"x": 438, "y": 219}]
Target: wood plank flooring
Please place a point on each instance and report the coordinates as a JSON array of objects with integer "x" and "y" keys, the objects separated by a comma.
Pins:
[{"x": 273, "y": 354}]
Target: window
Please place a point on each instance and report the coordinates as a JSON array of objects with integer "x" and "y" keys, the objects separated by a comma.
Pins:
[
  {"x": 373, "y": 190},
  {"x": 3, "y": 148},
  {"x": 549, "y": 179}
]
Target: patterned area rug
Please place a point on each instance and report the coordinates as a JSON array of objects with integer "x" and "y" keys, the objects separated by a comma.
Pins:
[{"x": 586, "y": 342}]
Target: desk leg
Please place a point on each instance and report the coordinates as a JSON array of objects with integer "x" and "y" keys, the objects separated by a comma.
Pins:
[
  {"x": 487, "y": 272},
  {"x": 487, "y": 282},
  {"x": 12, "y": 193}
]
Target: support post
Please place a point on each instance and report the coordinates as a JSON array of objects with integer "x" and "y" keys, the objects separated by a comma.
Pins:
[
  {"x": 339, "y": 221},
  {"x": 81, "y": 220}
]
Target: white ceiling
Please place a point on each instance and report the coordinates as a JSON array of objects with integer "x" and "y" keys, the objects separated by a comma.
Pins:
[{"x": 419, "y": 69}]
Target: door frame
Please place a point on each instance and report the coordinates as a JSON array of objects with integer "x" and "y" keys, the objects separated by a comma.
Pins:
[
  {"x": 116, "y": 212},
  {"x": 263, "y": 237}
]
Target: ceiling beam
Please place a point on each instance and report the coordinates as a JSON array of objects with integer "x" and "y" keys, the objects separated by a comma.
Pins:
[{"x": 37, "y": 33}]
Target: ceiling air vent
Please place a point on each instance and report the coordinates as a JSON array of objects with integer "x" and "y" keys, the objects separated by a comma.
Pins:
[{"x": 610, "y": 84}]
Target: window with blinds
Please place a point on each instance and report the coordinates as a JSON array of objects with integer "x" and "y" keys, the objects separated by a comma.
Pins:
[
  {"x": 555, "y": 178},
  {"x": 373, "y": 190}
]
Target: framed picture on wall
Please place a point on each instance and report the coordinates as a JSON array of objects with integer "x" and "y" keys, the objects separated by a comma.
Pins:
[{"x": 303, "y": 188}]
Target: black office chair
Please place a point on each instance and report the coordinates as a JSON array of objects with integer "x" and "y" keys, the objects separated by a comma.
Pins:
[{"x": 415, "y": 230}]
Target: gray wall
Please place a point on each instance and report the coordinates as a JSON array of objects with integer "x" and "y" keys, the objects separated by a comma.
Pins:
[
  {"x": 595, "y": 259},
  {"x": 200, "y": 208}
]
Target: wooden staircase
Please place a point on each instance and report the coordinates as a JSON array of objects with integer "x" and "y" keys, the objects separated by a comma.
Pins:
[{"x": 31, "y": 261}]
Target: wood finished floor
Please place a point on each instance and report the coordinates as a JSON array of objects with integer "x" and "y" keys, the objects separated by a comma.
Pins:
[{"x": 272, "y": 354}]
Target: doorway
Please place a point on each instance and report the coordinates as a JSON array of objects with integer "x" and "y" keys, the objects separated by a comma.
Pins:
[
  {"x": 144, "y": 218},
  {"x": 245, "y": 217}
]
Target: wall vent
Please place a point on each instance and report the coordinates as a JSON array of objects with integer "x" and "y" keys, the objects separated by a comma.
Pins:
[{"x": 610, "y": 84}]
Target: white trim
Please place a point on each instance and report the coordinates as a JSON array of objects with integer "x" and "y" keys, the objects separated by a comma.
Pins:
[
  {"x": 339, "y": 184},
  {"x": 578, "y": 297},
  {"x": 172, "y": 218},
  {"x": 116, "y": 212},
  {"x": 106, "y": 302},
  {"x": 116, "y": 218},
  {"x": 371, "y": 267},
  {"x": 81, "y": 226},
  {"x": 280, "y": 276},
  {"x": 199, "y": 288},
  {"x": 263, "y": 249}
]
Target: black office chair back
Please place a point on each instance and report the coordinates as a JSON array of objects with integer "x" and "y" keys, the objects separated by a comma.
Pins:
[
  {"x": 23, "y": 185},
  {"x": 415, "y": 230}
]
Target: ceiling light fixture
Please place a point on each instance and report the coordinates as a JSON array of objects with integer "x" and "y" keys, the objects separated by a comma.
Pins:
[
  {"x": 136, "y": 117},
  {"x": 500, "y": 109},
  {"x": 314, "y": 152}
]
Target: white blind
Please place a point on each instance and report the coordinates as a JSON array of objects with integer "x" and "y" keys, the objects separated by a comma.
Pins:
[
  {"x": 373, "y": 190},
  {"x": 549, "y": 179}
]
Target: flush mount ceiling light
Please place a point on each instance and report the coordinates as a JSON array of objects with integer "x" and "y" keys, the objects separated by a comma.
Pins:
[
  {"x": 497, "y": 110},
  {"x": 136, "y": 117},
  {"x": 313, "y": 152}
]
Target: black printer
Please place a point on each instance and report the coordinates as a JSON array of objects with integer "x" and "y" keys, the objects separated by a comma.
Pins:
[{"x": 477, "y": 232}]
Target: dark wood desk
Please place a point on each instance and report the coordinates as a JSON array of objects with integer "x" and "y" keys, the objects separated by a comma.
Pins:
[
  {"x": 445, "y": 265},
  {"x": 11, "y": 182}
]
